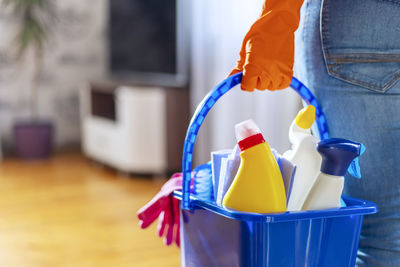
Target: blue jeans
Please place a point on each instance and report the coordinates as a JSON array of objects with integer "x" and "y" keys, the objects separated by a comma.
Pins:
[{"x": 348, "y": 53}]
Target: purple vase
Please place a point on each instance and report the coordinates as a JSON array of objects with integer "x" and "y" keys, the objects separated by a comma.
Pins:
[{"x": 33, "y": 140}]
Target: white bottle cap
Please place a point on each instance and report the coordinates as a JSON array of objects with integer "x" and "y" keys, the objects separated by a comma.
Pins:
[{"x": 246, "y": 129}]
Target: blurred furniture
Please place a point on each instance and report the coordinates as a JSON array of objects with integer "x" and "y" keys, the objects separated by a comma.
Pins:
[
  {"x": 148, "y": 41},
  {"x": 135, "y": 129},
  {"x": 137, "y": 121}
]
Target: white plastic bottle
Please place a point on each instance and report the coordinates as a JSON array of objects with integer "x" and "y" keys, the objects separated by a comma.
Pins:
[
  {"x": 337, "y": 154},
  {"x": 304, "y": 155}
]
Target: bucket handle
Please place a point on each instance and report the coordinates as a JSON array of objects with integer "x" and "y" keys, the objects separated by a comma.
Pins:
[{"x": 205, "y": 106}]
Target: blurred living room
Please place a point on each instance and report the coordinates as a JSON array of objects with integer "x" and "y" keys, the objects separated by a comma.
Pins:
[{"x": 95, "y": 101}]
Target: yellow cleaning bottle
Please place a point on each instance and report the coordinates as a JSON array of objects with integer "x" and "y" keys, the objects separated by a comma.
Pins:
[{"x": 258, "y": 185}]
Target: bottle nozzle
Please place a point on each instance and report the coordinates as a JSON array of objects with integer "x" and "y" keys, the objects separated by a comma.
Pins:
[
  {"x": 246, "y": 129},
  {"x": 337, "y": 154},
  {"x": 248, "y": 134},
  {"x": 306, "y": 117}
]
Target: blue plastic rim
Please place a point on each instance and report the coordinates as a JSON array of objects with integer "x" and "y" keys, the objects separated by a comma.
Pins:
[
  {"x": 214, "y": 236},
  {"x": 209, "y": 101}
]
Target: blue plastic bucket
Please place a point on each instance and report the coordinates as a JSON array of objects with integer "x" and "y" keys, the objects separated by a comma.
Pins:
[{"x": 214, "y": 236}]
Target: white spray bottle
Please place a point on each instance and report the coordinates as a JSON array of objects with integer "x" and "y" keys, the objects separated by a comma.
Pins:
[
  {"x": 304, "y": 155},
  {"x": 337, "y": 154}
]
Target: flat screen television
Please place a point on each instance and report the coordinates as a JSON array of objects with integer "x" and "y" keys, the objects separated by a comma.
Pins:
[{"x": 149, "y": 41}]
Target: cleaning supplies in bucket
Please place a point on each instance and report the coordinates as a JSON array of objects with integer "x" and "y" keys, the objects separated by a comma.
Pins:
[
  {"x": 258, "y": 185},
  {"x": 288, "y": 170},
  {"x": 216, "y": 160},
  {"x": 228, "y": 170},
  {"x": 229, "y": 165},
  {"x": 304, "y": 155},
  {"x": 203, "y": 187},
  {"x": 337, "y": 154}
]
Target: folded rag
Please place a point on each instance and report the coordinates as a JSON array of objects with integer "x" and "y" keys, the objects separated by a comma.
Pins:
[
  {"x": 288, "y": 170},
  {"x": 228, "y": 170}
]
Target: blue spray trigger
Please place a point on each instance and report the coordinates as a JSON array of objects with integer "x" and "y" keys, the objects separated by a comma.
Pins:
[
  {"x": 342, "y": 203},
  {"x": 362, "y": 149},
  {"x": 354, "y": 168}
]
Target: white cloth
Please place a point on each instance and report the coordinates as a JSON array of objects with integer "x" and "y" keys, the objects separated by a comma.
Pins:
[
  {"x": 216, "y": 158},
  {"x": 229, "y": 168}
]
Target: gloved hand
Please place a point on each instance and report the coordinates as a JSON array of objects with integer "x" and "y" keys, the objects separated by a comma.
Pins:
[
  {"x": 166, "y": 208},
  {"x": 267, "y": 53}
]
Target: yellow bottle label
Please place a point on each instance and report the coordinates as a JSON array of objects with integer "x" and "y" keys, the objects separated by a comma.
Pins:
[{"x": 258, "y": 185}]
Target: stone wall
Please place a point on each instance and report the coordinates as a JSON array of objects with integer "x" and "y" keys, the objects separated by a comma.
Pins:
[{"x": 75, "y": 53}]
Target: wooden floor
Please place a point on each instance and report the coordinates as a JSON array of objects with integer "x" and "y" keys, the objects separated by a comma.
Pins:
[{"x": 68, "y": 212}]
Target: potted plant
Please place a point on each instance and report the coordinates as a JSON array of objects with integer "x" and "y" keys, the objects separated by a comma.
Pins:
[{"x": 33, "y": 137}]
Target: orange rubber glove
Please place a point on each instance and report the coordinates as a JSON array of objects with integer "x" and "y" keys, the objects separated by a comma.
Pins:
[{"x": 267, "y": 52}]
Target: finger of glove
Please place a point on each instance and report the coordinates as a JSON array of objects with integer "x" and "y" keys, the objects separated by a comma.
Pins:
[
  {"x": 165, "y": 220},
  {"x": 153, "y": 208},
  {"x": 150, "y": 219},
  {"x": 169, "y": 236},
  {"x": 177, "y": 234},
  {"x": 263, "y": 82},
  {"x": 285, "y": 82},
  {"x": 146, "y": 223},
  {"x": 283, "y": 79},
  {"x": 287, "y": 75},
  {"x": 175, "y": 204},
  {"x": 170, "y": 223},
  {"x": 142, "y": 224},
  {"x": 250, "y": 77},
  {"x": 276, "y": 77},
  {"x": 176, "y": 238},
  {"x": 161, "y": 224}
]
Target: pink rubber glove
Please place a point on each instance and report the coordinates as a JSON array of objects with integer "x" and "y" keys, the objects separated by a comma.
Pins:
[
  {"x": 169, "y": 223},
  {"x": 166, "y": 208}
]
